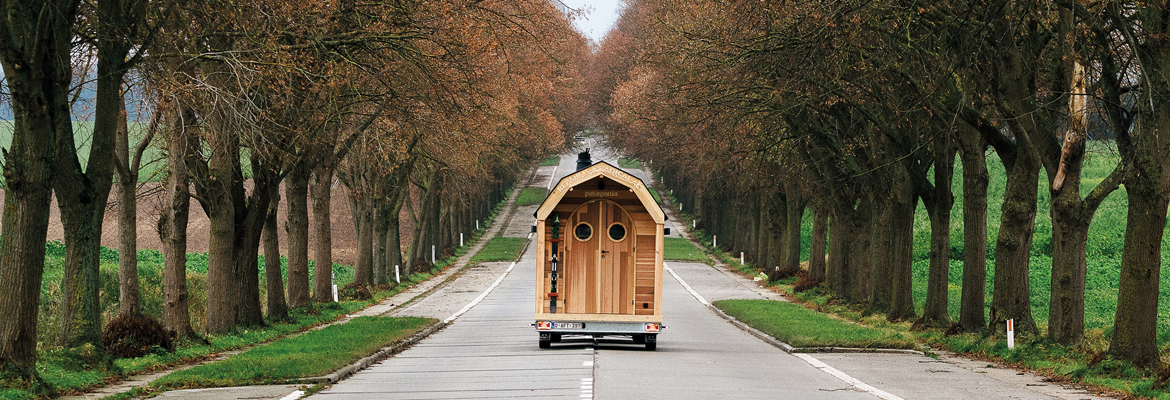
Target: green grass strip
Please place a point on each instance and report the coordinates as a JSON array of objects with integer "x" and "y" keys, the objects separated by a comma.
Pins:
[
  {"x": 629, "y": 163},
  {"x": 550, "y": 161},
  {"x": 315, "y": 353},
  {"x": 531, "y": 196},
  {"x": 500, "y": 249},
  {"x": 680, "y": 249},
  {"x": 801, "y": 327}
]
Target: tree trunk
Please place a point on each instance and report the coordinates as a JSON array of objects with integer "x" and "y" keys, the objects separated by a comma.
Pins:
[
  {"x": 1011, "y": 292},
  {"x": 1014, "y": 97},
  {"x": 252, "y": 211},
  {"x": 40, "y": 108},
  {"x": 394, "y": 241},
  {"x": 236, "y": 224},
  {"x": 224, "y": 290},
  {"x": 389, "y": 247},
  {"x": 902, "y": 254},
  {"x": 82, "y": 193},
  {"x": 1070, "y": 223},
  {"x": 837, "y": 273},
  {"x": 1147, "y": 183},
  {"x": 80, "y": 304},
  {"x": 816, "y": 260},
  {"x": 363, "y": 273},
  {"x": 296, "y": 191},
  {"x": 882, "y": 236},
  {"x": 322, "y": 186},
  {"x": 126, "y": 180},
  {"x": 381, "y": 226},
  {"x": 763, "y": 233},
  {"x": 1145, "y": 151},
  {"x": 277, "y": 308},
  {"x": 1066, "y": 307},
  {"x": 795, "y": 212},
  {"x": 938, "y": 280},
  {"x": 973, "y": 304},
  {"x": 1135, "y": 323},
  {"x": 425, "y": 225},
  {"x": 777, "y": 211},
  {"x": 860, "y": 263},
  {"x": 172, "y": 227}
]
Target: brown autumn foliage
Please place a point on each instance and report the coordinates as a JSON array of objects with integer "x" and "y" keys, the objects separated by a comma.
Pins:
[{"x": 752, "y": 111}]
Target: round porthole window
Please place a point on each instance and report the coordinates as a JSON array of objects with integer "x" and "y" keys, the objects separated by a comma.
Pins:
[
  {"x": 617, "y": 232},
  {"x": 583, "y": 232}
]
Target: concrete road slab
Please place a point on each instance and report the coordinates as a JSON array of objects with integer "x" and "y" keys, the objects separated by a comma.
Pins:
[
  {"x": 232, "y": 393},
  {"x": 701, "y": 356},
  {"x": 489, "y": 352},
  {"x": 720, "y": 284},
  {"x": 919, "y": 377}
]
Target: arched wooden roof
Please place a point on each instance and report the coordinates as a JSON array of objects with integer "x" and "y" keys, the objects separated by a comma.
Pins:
[{"x": 601, "y": 169}]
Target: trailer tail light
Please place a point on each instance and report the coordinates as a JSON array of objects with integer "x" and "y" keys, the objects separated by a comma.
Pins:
[
  {"x": 543, "y": 325},
  {"x": 652, "y": 327}
]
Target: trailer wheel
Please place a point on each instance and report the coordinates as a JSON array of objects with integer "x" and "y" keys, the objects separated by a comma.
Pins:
[
  {"x": 544, "y": 344},
  {"x": 651, "y": 342},
  {"x": 545, "y": 340},
  {"x": 639, "y": 338},
  {"x": 556, "y": 337}
]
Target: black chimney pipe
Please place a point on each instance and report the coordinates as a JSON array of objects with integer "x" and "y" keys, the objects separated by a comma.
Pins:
[{"x": 583, "y": 160}]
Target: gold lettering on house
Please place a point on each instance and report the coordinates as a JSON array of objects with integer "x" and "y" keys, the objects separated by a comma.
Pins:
[
  {"x": 600, "y": 193},
  {"x": 598, "y": 171}
]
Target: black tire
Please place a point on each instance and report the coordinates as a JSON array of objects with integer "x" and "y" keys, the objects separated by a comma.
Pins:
[
  {"x": 556, "y": 337},
  {"x": 544, "y": 344},
  {"x": 639, "y": 339},
  {"x": 651, "y": 346}
]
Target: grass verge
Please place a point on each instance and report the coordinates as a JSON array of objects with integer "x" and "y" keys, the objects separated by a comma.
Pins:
[
  {"x": 500, "y": 249},
  {"x": 801, "y": 327},
  {"x": 680, "y": 249},
  {"x": 531, "y": 196},
  {"x": 550, "y": 161},
  {"x": 312, "y": 354},
  {"x": 629, "y": 163}
]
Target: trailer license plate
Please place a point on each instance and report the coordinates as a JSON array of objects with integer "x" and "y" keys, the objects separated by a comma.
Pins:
[{"x": 569, "y": 325}]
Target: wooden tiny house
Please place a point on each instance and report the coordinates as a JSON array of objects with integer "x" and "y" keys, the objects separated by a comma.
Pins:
[{"x": 600, "y": 273}]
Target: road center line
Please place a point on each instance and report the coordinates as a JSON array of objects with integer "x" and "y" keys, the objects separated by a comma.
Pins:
[
  {"x": 481, "y": 295},
  {"x": 807, "y": 358}
]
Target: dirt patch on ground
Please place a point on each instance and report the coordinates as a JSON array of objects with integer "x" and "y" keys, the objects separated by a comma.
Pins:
[{"x": 150, "y": 205}]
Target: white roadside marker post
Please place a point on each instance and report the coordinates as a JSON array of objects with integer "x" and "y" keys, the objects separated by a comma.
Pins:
[
  {"x": 1011, "y": 334},
  {"x": 460, "y": 239},
  {"x": 715, "y": 241},
  {"x": 741, "y": 258},
  {"x": 332, "y": 278},
  {"x": 397, "y": 277},
  {"x": 432, "y": 254}
]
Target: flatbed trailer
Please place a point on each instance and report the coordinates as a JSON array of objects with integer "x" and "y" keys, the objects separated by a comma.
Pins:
[{"x": 599, "y": 273}]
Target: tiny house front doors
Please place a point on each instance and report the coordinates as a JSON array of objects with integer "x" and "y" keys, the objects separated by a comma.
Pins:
[{"x": 599, "y": 260}]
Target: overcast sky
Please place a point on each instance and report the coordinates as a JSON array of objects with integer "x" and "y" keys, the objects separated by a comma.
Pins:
[{"x": 598, "y": 20}]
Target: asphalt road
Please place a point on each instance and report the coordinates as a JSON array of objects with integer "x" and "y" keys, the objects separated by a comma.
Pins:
[{"x": 491, "y": 352}]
